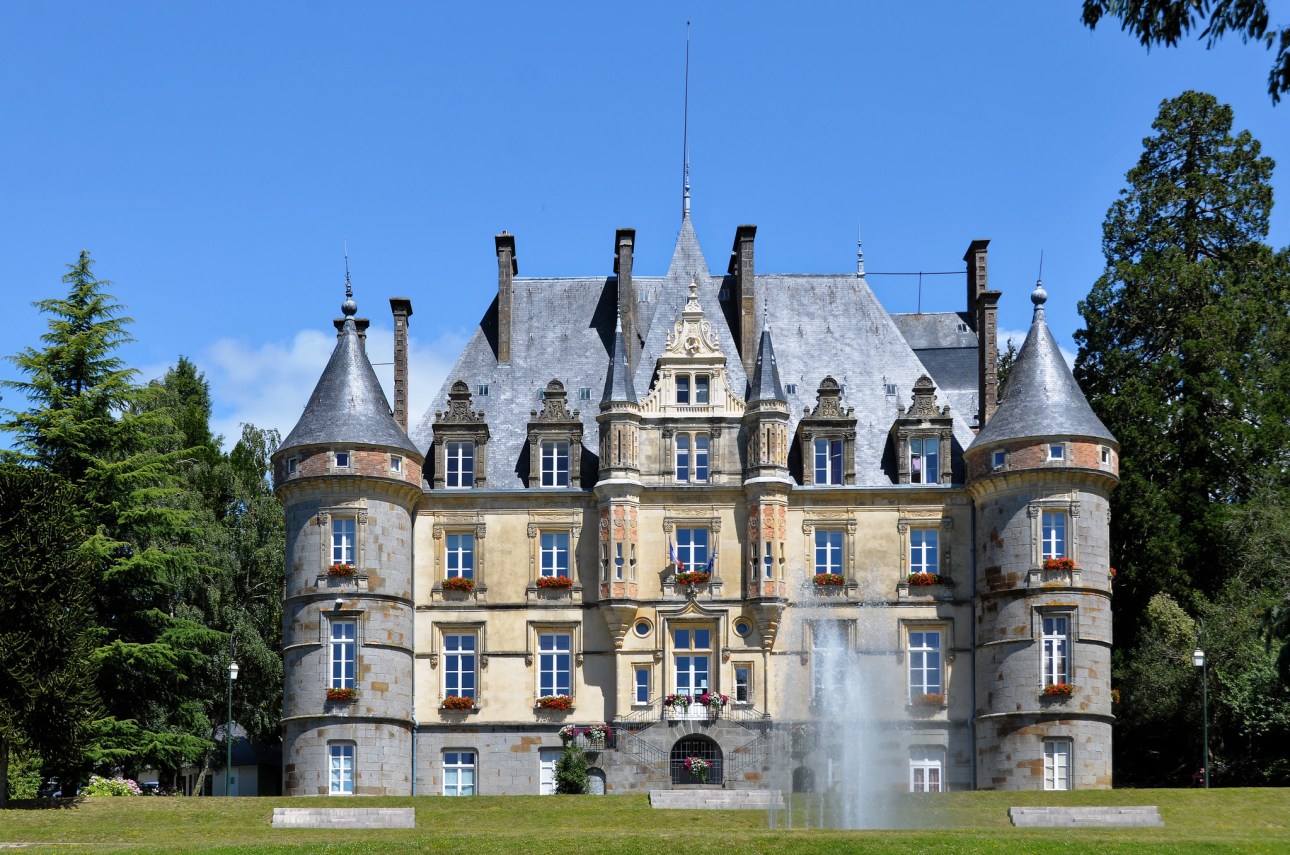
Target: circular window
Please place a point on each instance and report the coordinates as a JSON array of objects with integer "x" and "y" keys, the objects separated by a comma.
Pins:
[
  {"x": 642, "y": 628},
  {"x": 743, "y": 627}
]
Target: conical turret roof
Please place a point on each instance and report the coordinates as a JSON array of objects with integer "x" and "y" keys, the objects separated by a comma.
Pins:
[
  {"x": 348, "y": 404},
  {"x": 765, "y": 385},
  {"x": 1042, "y": 398}
]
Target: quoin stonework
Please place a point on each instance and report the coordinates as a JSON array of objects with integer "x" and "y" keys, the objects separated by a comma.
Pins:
[{"x": 662, "y": 504}]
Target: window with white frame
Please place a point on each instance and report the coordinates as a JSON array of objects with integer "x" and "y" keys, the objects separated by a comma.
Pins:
[
  {"x": 618, "y": 561},
  {"x": 343, "y": 648},
  {"x": 683, "y": 388},
  {"x": 343, "y": 538},
  {"x": 1056, "y": 648},
  {"x": 1105, "y": 455},
  {"x": 1053, "y": 534},
  {"x": 924, "y": 550},
  {"x": 340, "y": 775},
  {"x": 924, "y": 460},
  {"x": 555, "y": 553},
  {"x": 293, "y": 463},
  {"x": 925, "y": 662},
  {"x": 926, "y": 769},
  {"x": 828, "y": 460},
  {"x": 701, "y": 392},
  {"x": 743, "y": 684},
  {"x": 1000, "y": 459},
  {"x": 460, "y": 464},
  {"x": 555, "y": 463},
  {"x": 693, "y": 389},
  {"x": 693, "y": 455},
  {"x": 459, "y": 555},
  {"x": 1057, "y": 764},
  {"x": 828, "y": 551},
  {"x": 768, "y": 562},
  {"x": 341, "y": 459},
  {"x": 1056, "y": 451},
  {"x": 640, "y": 684},
  {"x": 458, "y": 773},
  {"x": 396, "y": 464},
  {"x": 692, "y": 657},
  {"x": 555, "y": 664},
  {"x": 459, "y": 660},
  {"x": 692, "y": 548}
]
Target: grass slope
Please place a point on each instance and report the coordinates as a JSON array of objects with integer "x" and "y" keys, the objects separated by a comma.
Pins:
[{"x": 1196, "y": 821}]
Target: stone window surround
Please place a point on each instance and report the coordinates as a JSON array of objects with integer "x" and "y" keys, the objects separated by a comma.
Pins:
[
  {"x": 1070, "y": 504},
  {"x": 812, "y": 627},
  {"x": 356, "y": 512},
  {"x": 734, "y": 685},
  {"x": 848, "y": 526},
  {"x": 353, "y": 769},
  {"x": 462, "y": 526},
  {"x": 927, "y": 757},
  {"x": 535, "y": 529},
  {"x": 1071, "y": 613},
  {"x": 637, "y": 667},
  {"x": 396, "y": 464},
  {"x": 711, "y": 523},
  {"x": 693, "y": 621},
  {"x": 356, "y": 616},
  {"x": 692, "y": 453},
  {"x": 478, "y": 629},
  {"x": 946, "y": 628},
  {"x": 540, "y": 627},
  {"x": 333, "y": 466},
  {"x": 330, "y": 643},
  {"x": 1069, "y": 745},
  {"x": 667, "y": 459},
  {"x": 943, "y": 523}
]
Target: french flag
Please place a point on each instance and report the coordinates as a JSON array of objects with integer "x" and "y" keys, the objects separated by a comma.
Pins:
[
  {"x": 671, "y": 551},
  {"x": 711, "y": 561}
]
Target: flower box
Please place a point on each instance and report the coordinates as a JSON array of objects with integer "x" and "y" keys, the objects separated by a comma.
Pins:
[
  {"x": 922, "y": 580},
  {"x": 342, "y": 695},
  {"x": 1115, "y": 696},
  {"x": 828, "y": 580},
  {"x": 454, "y": 702},
  {"x": 555, "y": 702},
  {"x": 1058, "y": 691},
  {"x": 1060, "y": 564},
  {"x": 692, "y": 577},
  {"x": 713, "y": 700},
  {"x": 459, "y": 583},
  {"x": 930, "y": 700},
  {"x": 555, "y": 583},
  {"x": 677, "y": 701},
  {"x": 341, "y": 570}
]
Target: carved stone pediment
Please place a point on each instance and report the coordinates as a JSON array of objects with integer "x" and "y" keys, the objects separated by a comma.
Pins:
[
  {"x": 554, "y": 405},
  {"x": 459, "y": 407},
  {"x": 924, "y": 403},
  {"x": 828, "y": 402},
  {"x": 693, "y": 334}
]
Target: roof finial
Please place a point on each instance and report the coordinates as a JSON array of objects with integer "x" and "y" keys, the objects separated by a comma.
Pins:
[
  {"x": 765, "y": 314},
  {"x": 685, "y": 134},
  {"x": 1039, "y": 296},
  {"x": 348, "y": 308},
  {"x": 859, "y": 253}
]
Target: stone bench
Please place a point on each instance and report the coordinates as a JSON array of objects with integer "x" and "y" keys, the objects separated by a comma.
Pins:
[
  {"x": 1084, "y": 817},
  {"x": 716, "y": 799},
  {"x": 344, "y": 818}
]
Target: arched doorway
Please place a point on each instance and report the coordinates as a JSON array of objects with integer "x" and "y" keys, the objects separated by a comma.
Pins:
[
  {"x": 595, "y": 782},
  {"x": 700, "y": 747}
]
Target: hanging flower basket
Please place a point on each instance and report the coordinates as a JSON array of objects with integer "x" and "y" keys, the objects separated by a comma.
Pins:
[
  {"x": 692, "y": 577},
  {"x": 555, "y": 583},
  {"x": 1115, "y": 696},
  {"x": 828, "y": 580},
  {"x": 677, "y": 701},
  {"x": 459, "y": 583},
  {"x": 713, "y": 700},
  {"x": 1060, "y": 691},
  {"x": 341, "y": 570},
  {"x": 697, "y": 767},
  {"x": 555, "y": 702},
  {"x": 454, "y": 702},
  {"x": 1059, "y": 564},
  {"x": 342, "y": 695},
  {"x": 921, "y": 580},
  {"x": 930, "y": 700}
]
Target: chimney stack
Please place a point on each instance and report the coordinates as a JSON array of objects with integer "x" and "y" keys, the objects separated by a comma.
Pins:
[
  {"x": 983, "y": 314},
  {"x": 401, "y": 308},
  {"x": 624, "y": 246},
  {"x": 507, "y": 267},
  {"x": 741, "y": 267}
]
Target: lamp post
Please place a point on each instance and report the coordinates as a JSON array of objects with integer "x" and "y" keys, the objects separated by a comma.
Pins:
[
  {"x": 1198, "y": 659},
  {"x": 228, "y": 722}
]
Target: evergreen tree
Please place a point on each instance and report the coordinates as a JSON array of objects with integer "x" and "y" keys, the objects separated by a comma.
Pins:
[{"x": 571, "y": 776}]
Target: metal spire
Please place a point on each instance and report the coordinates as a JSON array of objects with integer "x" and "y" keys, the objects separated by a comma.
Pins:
[
  {"x": 685, "y": 133},
  {"x": 348, "y": 308},
  {"x": 859, "y": 253}
]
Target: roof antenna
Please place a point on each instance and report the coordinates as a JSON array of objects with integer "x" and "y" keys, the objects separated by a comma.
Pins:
[
  {"x": 1040, "y": 280},
  {"x": 685, "y": 134},
  {"x": 349, "y": 307},
  {"x": 859, "y": 254}
]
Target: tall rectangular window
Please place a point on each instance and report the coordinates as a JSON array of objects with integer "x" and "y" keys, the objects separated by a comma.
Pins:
[
  {"x": 1057, "y": 764},
  {"x": 1054, "y": 533},
  {"x": 618, "y": 561},
  {"x": 692, "y": 457},
  {"x": 828, "y": 663},
  {"x": 683, "y": 388},
  {"x": 828, "y": 460},
  {"x": 1056, "y": 643},
  {"x": 459, "y": 555},
  {"x": 701, "y": 442},
  {"x": 924, "y": 663},
  {"x": 555, "y": 464},
  {"x": 342, "y": 540},
  {"x": 923, "y": 557},
  {"x": 641, "y": 691},
  {"x": 743, "y": 684},
  {"x": 924, "y": 460},
  {"x": 459, "y": 665},
  {"x": 926, "y": 770},
  {"x": 340, "y": 775},
  {"x": 701, "y": 394},
  {"x": 343, "y": 648},
  {"x": 692, "y": 547},
  {"x": 768, "y": 562},
  {"x": 555, "y": 553},
  {"x": 554, "y": 663},
  {"x": 459, "y": 773},
  {"x": 692, "y": 656},
  {"x": 683, "y": 457},
  {"x": 460, "y": 458},
  {"x": 828, "y": 551}
]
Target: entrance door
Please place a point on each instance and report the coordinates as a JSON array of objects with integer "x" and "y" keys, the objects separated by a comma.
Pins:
[{"x": 546, "y": 770}]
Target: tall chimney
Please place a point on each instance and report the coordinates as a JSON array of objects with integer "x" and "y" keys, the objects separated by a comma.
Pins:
[
  {"x": 401, "y": 308},
  {"x": 624, "y": 245},
  {"x": 507, "y": 267},
  {"x": 741, "y": 267},
  {"x": 977, "y": 281},
  {"x": 983, "y": 314}
]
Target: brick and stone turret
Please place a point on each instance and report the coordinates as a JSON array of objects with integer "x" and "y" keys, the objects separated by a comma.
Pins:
[
  {"x": 348, "y": 478},
  {"x": 1040, "y": 474},
  {"x": 766, "y": 478}
]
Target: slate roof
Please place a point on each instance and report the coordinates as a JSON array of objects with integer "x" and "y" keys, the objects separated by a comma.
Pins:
[
  {"x": 348, "y": 405},
  {"x": 618, "y": 383},
  {"x": 946, "y": 345},
  {"x": 564, "y": 328},
  {"x": 1041, "y": 398}
]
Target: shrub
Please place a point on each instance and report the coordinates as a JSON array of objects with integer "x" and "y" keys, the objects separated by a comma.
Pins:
[
  {"x": 111, "y": 787},
  {"x": 571, "y": 778}
]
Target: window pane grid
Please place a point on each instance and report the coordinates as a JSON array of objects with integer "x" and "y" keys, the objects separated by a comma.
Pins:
[
  {"x": 459, "y": 666},
  {"x": 554, "y": 664},
  {"x": 460, "y": 555},
  {"x": 342, "y": 540},
  {"x": 925, "y": 663},
  {"x": 555, "y": 553},
  {"x": 461, "y": 464},
  {"x": 922, "y": 550},
  {"x": 1056, "y": 645},
  {"x": 692, "y": 547},
  {"x": 828, "y": 551},
  {"x": 459, "y": 773},
  {"x": 341, "y": 770},
  {"x": 342, "y": 654},
  {"x": 1054, "y": 534},
  {"x": 555, "y": 464}
]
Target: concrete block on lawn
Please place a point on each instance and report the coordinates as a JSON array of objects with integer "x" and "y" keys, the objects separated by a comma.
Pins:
[{"x": 344, "y": 818}]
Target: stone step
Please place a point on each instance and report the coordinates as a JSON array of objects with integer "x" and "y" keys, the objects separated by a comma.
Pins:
[
  {"x": 698, "y": 799},
  {"x": 344, "y": 818},
  {"x": 1085, "y": 817}
]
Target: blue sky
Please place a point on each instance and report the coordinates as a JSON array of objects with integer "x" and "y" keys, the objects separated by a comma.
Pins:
[{"x": 213, "y": 157}]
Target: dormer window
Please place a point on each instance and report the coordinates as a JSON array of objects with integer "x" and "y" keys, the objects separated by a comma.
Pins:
[
  {"x": 701, "y": 382},
  {"x": 555, "y": 441},
  {"x": 922, "y": 435},
  {"x": 693, "y": 389},
  {"x": 924, "y": 460},
  {"x": 683, "y": 388},
  {"x": 828, "y": 460},
  {"x": 828, "y": 439},
  {"x": 460, "y": 460},
  {"x": 555, "y": 464},
  {"x": 460, "y": 442}
]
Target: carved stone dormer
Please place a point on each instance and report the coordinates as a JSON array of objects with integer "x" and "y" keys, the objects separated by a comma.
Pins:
[
  {"x": 460, "y": 442},
  {"x": 828, "y": 437},
  {"x": 692, "y": 379},
  {"x": 924, "y": 436},
  {"x": 555, "y": 441}
]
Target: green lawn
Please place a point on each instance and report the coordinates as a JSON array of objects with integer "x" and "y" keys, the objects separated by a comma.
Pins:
[{"x": 1246, "y": 821}]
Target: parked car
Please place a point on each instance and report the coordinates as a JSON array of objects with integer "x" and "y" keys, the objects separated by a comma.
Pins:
[{"x": 53, "y": 789}]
